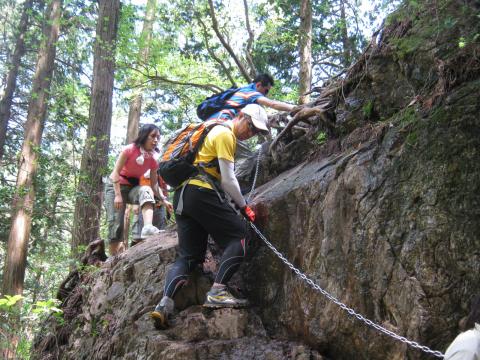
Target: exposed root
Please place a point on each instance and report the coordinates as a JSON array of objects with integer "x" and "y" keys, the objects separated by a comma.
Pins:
[{"x": 306, "y": 113}]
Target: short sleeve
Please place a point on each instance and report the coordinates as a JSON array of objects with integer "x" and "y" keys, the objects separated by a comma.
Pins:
[
  {"x": 225, "y": 145},
  {"x": 128, "y": 150},
  {"x": 254, "y": 97}
]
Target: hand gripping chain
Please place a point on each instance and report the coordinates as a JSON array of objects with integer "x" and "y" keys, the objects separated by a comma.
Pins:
[{"x": 350, "y": 311}]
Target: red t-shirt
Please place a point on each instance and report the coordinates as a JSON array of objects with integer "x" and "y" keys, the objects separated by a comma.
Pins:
[{"x": 132, "y": 168}]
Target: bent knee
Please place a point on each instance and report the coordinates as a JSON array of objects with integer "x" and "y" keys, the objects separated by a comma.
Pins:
[{"x": 145, "y": 195}]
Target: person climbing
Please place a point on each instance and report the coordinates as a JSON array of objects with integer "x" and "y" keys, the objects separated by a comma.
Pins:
[
  {"x": 159, "y": 219},
  {"x": 466, "y": 345},
  {"x": 123, "y": 186},
  {"x": 253, "y": 93},
  {"x": 204, "y": 210}
]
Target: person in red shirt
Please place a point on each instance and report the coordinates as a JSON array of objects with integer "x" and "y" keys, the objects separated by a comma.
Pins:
[{"x": 124, "y": 186}]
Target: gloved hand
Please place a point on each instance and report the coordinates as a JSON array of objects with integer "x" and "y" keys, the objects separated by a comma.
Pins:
[{"x": 248, "y": 213}]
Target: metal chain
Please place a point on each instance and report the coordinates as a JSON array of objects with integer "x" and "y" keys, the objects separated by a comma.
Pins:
[
  {"x": 257, "y": 168},
  {"x": 344, "y": 307}
]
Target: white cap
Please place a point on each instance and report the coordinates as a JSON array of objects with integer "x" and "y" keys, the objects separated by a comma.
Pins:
[{"x": 258, "y": 115}]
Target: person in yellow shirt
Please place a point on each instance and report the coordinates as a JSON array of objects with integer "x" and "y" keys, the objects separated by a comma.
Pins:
[{"x": 202, "y": 208}]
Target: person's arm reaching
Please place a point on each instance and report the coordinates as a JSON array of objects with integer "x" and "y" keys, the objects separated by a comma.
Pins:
[
  {"x": 229, "y": 182},
  {"x": 274, "y": 104},
  {"x": 157, "y": 191}
]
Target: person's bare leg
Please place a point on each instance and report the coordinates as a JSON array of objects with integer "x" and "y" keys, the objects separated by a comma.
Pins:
[{"x": 147, "y": 213}]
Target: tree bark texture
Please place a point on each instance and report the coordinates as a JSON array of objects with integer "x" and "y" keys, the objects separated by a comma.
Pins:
[
  {"x": 347, "y": 48},
  {"x": 14, "y": 271},
  {"x": 94, "y": 158},
  {"x": 305, "y": 49},
  {"x": 11, "y": 81},
  {"x": 136, "y": 103}
]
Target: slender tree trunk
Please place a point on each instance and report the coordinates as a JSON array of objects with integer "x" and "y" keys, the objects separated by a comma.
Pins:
[
  {"x": 14, "y": 271},
  {"x": 16, "y": 259},
  {"x": 305, "y": 49},
  {"x": 94, "y": 158},
  {"x": 347, "y": 50},
  {"x": 225, "y": 43},
  {"x": 135, "y": 110},
  {"x": 11, "y": 80},
  {"x": 136, "y": 102}
]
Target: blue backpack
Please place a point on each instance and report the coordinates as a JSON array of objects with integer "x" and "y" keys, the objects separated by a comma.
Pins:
[{"x": 215, "y": 103}]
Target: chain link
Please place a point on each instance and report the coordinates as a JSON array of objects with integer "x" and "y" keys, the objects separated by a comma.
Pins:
[
  {"x": 344, "y": 307},
  {"x": 257, "y": 168}
]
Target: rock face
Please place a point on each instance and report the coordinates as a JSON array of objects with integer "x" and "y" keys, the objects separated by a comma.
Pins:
[
  {"x": 106, "y": 316},
  {"x": 384, "y": 227},
  {"x": 384, "y": 216}
]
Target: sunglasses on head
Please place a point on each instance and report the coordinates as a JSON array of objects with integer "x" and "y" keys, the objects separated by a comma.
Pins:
[{"x": 251, "y": 127}]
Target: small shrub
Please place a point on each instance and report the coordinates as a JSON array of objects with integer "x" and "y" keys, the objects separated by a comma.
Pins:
[{"x": 321, "y": 137}]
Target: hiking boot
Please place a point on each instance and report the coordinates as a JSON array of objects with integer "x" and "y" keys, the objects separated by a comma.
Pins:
[
  {"x": 149, "y": 230},
  {"x": 221, "y": 298},
  {"x": 161, "y": 313}
]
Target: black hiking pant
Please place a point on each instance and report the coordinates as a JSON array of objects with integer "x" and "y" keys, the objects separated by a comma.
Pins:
[{"x": 203, "y": 214}]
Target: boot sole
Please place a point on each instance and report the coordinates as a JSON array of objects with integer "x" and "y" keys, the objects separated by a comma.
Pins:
[
  {"x": 160, "y": 321},
  {"x": 222, "y": 306}
]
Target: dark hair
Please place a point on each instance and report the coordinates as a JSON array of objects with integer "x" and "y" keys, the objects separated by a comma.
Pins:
[
  {"x": 474, "y": 316},
  {"x": 265, "y": 79},
  {"x": 143, "y": 133}
]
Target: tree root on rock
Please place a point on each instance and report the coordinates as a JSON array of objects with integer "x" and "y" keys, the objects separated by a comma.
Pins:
[{"x": 305, "y": 114}]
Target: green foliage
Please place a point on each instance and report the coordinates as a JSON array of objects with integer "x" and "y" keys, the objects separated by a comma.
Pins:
[
  {"x": 407, "y": 46},
  {"x": 442, "y": 25},
  {"x": 321, "y": 137},
  {"x": 15, "y": 318},
  {"x": 412, "y": 138},
  {"x": 7, "y": 302},
  {"x": 367, "y": 109},
  {"x": 408, "y": 116}
]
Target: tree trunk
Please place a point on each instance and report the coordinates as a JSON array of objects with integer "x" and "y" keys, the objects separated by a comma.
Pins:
[
  {"x": 134, "y": 113},
  {"x": 94, "y": 159},
  {"x": 11, "y": 81},
  {"x": 136, "y": 102},
  {"x": 14, "y": 271},
  {"x": 305, "y": 47},
  {"x": 135, "y": 110},
  {"x": 24, "y": 197},
  {"x": 347, "y": 51}
]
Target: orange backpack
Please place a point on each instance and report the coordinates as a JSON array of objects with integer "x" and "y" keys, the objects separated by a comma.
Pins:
[{"x": 176, "y": 164}]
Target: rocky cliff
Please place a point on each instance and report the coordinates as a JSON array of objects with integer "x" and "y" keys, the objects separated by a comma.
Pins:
[{"x": 383, "y": 214}]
